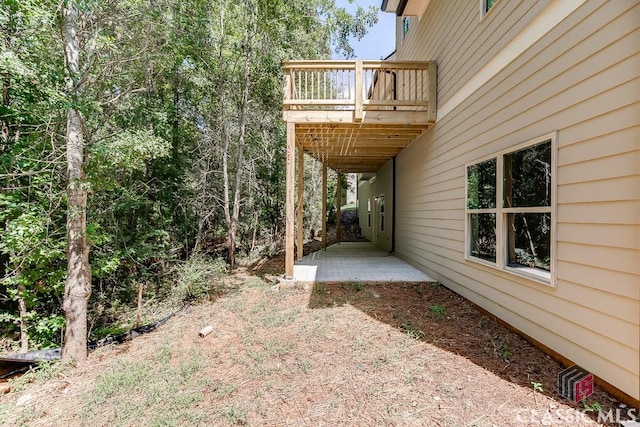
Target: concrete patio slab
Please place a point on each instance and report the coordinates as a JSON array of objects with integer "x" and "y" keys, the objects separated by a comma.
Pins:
[{"x": 358, "y": 262}]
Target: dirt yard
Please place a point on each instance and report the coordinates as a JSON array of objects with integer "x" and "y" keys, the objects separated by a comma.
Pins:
[{"x": 349, "y": 354}]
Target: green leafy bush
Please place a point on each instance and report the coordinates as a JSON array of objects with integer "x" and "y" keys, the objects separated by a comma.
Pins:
[{"x": 196, "y": 277}]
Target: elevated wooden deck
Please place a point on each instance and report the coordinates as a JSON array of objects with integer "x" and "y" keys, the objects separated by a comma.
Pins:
[
  {"x": 356, "y": 115},
  {"x": 353, "y": 116}
]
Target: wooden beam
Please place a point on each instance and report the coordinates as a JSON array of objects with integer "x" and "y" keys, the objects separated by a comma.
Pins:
[
  {"x": 324, "y": 206},
  {"x": 355, "y": 143},
  {"x": 392, "y": 117},
  {"x": 360, "y": 169},
  {"x": 289, "y": 201},
  {"x": 338, "y": 206},
  {"x": 398, "y": 117},
  {"x": 300, "y": 227},
  {"x": 359, "y": 152},
  {"x": 337, "y": 161},
  {"x": 318, "y": 116},
  {"x": 301, "y": 127}
]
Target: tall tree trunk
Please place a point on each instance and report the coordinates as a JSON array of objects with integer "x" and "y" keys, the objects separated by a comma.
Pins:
[
  {"x": 78, "y": 284},
  {"x": 226, "y": 206},
  {"x": 5, "y": 135},
  {"x": 233, "y": 218}
]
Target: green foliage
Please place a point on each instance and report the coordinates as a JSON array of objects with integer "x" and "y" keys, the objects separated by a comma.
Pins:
[
  {"x": 437, "y": 311},
  {"x": 164, "y": 96},
  {"x": 415, "y": 334},
  {"x": 196, "y": 277},
  {"x": 358, "y": 286},
  {"x": 127, "y": 153},
  {"x": 594, "y": 406}
]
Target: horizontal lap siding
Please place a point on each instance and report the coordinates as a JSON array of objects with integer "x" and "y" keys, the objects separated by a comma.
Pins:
[
  {"x": 449, "y": 33},
  {"x": 580, "y": 79}
]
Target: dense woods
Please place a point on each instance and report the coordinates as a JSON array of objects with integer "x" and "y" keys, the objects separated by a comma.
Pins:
[{"x": 141, "y": 139}]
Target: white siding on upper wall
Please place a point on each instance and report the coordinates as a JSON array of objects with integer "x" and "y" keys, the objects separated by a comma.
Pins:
[{"x": 581, "y": 79}]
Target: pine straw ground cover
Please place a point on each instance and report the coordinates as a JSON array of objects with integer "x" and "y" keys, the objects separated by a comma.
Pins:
[{"x": 346, "y": 354}]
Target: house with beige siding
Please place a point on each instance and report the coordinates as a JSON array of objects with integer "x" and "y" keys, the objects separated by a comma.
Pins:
[{"x": 499, "y": 152}]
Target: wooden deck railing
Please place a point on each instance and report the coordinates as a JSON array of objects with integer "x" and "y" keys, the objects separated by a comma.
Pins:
[{"x": 361, "y": 86}]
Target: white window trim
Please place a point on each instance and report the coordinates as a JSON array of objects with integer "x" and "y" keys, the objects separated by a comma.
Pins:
[
  {"x": 501, "y": 212},
  {"x": 483, "y": 9}
]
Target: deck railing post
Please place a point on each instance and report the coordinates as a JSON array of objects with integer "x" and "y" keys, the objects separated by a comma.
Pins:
[
  {"x": 286, "y": 92},
  {"x": 359, "y": 91},
  {"x": 432, "y": 78}
]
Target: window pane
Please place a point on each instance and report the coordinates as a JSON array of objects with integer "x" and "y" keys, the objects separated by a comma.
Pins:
[
  {"x": 481, "y": 185},
  {"x": 483, "y": 236},
  {"x": 529, "y": 240},
  {"x": 527, "y": 177},
  {"x": 405, "y": 26}
]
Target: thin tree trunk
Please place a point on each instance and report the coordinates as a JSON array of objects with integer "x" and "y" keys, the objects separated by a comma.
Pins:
[
  {"x": 531, "y": 245},
  {"x": 139, "y": 309},
  {"x": 232, "y": 208},
  {"x": 22, "y": 308},
  {"x": 233, "y": 226},
  {"x": 78, "y": 284},
  {"x": 225, "y": 183},
  {"x": 6, "y": 84},
  {"x": 5, "y": 135},
  {"x": 222, "y": 99}
]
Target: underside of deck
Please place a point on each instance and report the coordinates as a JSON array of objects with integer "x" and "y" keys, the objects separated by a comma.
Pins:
[{"x": 355, "y": 147}]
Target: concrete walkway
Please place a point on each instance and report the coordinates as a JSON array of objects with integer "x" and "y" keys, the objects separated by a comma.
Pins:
[{"x": 358, "y": 262}]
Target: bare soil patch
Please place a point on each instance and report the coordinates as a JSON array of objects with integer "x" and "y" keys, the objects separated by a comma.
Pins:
[{"x": 348, "y": 354}]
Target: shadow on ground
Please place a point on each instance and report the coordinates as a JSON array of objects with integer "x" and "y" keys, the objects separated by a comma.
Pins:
[{"x": 438, "y": 316}]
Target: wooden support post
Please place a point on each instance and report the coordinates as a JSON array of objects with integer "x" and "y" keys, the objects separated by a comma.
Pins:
[
  {"x": 300, "y": 207},
  {"x": 289, "y": 201},
  {"x": 338, "y": 206},
  {"x": 357, "y": 113},
  {"x": 432, "y": 85},
  {"x": 324, "y": 206}
]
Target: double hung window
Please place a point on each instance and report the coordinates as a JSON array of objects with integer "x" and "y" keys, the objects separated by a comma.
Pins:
[{"x": 509, "y": 210}]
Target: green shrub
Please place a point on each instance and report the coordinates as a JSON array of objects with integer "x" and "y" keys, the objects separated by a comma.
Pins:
[{"x": 197, "y": 276}]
